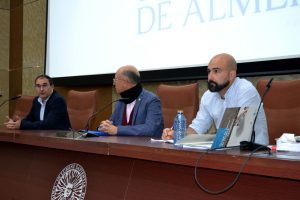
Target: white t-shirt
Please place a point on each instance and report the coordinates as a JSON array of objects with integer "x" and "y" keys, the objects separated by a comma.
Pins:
[{"x": 241, "y": 93}]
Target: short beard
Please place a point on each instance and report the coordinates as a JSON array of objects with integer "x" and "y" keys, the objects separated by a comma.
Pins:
[{"x": 215, "y": 87}]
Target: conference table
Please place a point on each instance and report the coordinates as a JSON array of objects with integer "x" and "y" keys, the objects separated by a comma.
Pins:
[{"x": 56, "y": 165}]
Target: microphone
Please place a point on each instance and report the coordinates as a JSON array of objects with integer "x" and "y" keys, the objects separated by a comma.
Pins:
[
  {"x": 8, "y": 100},
  {"x": 75, "y": 134},
  {"x": 246, "y": 145},
  {"x": 87, "y": 126},
  {"x": 19, "y": 68}
]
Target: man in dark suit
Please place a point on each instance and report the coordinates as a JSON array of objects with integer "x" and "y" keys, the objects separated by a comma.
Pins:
[
  {"x": 139, "y": 113},
  {"x": 48, "y": 111}
]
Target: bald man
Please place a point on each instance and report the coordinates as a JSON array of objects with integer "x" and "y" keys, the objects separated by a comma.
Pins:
[
  {"x": 139, "y": 113},
  {"x": 225, "y": 90}
]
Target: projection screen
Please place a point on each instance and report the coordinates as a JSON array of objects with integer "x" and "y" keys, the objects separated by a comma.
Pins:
[{"x": 95, "y": 37}]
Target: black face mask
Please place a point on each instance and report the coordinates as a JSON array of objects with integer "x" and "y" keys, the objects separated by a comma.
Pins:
[
  {"x": 215, "y": 87},
  {"x": 131, "y": 94}
]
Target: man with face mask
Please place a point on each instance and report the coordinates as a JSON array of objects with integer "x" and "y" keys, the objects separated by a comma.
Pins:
[
  {"x": 225, "y": 90},
  {"x": 139, "y": 112}
]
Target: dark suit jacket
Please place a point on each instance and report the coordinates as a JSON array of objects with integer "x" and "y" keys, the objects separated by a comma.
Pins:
[
  {"x": 147, "y": 117},
  {"x": 55, "y": 116}
]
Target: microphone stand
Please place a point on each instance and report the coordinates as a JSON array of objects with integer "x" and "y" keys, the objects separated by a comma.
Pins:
[
  {"x": 8, "y": 100},
  {"x": 76, "y": 134},
  {"x": 250, "y": 146},
  {"x": 87, "y": 126}
]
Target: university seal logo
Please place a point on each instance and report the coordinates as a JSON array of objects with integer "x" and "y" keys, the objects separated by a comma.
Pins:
[{"x": 70, "y": 184}]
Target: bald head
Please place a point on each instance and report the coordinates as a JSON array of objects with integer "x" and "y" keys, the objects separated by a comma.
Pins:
[
  {"x": 221, "y": 73},
  {"x": 131, "y": 73},
  {"x": 225, "y": 60}
]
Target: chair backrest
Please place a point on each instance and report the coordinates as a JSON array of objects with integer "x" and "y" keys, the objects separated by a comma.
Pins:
[
  {"x": 282, "y": 107},
  {"x": 81, "y": 107},
  {"x": 173, "y": 98},
  {"x": 23, "y": 106}
]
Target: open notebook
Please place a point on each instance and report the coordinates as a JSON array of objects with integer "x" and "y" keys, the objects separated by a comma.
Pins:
[{"x": 236, "y": 126}]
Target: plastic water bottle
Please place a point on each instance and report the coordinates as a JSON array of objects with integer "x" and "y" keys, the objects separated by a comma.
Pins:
[{"x": 179, "y": 126}]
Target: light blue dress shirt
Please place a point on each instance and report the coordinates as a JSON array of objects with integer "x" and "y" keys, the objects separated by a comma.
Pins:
[
  {"x": 43, "y": 106},
  {"x": 241, "y": 93}
]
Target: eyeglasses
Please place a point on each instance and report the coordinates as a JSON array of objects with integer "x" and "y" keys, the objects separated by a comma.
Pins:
[
  {"x": 118, "y": 79},
  {"x": 44, "y": 86}
]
